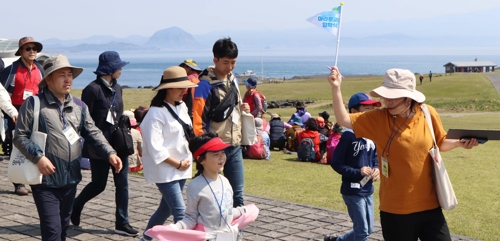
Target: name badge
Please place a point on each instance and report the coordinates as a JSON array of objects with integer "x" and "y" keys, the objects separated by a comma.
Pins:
[
  {"x": 364, "y": 181},
  {"x": 110, "y": 118},
  {"x": 355, "y": 185},
  {"x": 71, "y": 135},
  {"x": 385, "y": 167},
  {"x": 27, "y": 93},
  {"x": 224, "y": 236},
  {"x": 236, "y": 117}
]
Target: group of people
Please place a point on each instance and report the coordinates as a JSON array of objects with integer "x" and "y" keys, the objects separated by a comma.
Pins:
[
  {"x": 196, "y": 118},
  {"x": 204, "y": 129}
]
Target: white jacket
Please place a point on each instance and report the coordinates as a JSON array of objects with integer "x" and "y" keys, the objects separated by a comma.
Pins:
[
  {"x": 163, "y": 137},
  {"x": 7, "y": 107}
]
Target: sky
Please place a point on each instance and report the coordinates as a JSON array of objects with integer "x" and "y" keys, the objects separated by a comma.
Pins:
[{"x": 65, "y": 19}]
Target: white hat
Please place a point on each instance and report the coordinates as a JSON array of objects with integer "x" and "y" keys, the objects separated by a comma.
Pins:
[{"x": 398, "y": 83}]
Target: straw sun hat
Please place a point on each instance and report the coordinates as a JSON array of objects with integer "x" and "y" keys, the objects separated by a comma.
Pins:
[{"x": 174, "y": 77}]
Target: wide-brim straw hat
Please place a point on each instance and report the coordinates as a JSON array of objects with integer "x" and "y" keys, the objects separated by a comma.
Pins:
[
  {"x": 58, "y": 62},
  {"x": 26, "y": 40},
  {"x": 399, "y": 83},
  {"x": 174, "y": 77}
]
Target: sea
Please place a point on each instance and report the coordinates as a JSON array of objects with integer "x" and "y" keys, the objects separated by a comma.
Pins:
[{"x": 146, "y": 68}]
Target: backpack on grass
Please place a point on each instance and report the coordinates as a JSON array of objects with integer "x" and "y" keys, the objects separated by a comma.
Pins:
[{"x": 306, "y": 152}]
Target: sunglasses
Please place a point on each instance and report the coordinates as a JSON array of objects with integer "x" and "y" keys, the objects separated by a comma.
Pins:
[{"x": 31, "y": 48}]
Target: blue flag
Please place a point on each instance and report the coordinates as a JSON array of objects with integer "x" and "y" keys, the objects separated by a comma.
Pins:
[{"x": 328, "y": 20}]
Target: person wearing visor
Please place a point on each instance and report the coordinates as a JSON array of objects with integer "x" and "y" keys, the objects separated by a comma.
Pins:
[
  {"x": 210, "y": 214},
  {"x": 21, "y": 80}
]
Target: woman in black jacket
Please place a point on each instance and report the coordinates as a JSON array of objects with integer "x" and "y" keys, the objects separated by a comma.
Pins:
[{"x": 103, "y": 97}]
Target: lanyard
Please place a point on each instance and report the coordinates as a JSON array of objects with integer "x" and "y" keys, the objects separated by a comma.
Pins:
[
  {"x": 61, "y": 110},
  {"x": 393, "y": 134},
  {"x": 112, "y": 105},
  {"x": 216, "y": 200}
]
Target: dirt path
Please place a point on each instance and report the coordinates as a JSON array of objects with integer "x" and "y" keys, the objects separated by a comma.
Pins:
[{"x": 495, "y": 80}]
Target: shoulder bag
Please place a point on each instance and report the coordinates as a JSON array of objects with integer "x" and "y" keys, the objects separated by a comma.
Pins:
[
  {"x": 22, "y": 170},
  {"x": 444, "y": 189}
]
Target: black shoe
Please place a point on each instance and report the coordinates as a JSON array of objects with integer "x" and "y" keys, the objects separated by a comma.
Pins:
[
  {"x": 75, "y": 216},
  {"x": 20, "y": 190},
  {"x": 126, "y": 230},
  {"x": 329, "y": 237}
]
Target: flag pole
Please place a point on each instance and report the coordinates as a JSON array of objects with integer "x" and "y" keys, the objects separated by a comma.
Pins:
[{"x": 338, "y": 33}]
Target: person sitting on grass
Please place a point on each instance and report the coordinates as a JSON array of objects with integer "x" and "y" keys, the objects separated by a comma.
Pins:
[
  {"x": 276, "y": 132},
  {"x": 209, "y": 212},
  {"x": 310, "y": 132}
]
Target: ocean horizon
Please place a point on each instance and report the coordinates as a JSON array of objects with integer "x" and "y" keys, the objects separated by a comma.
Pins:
[{"x": 146, "y": 68}]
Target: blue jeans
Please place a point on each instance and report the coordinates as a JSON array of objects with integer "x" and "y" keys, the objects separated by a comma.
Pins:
[
  {"x": 360, "y": 210},
  {"x": 100, "y": 171},
  {"x": 172, "y": 203},
  {"x": 235, "y": 173}
]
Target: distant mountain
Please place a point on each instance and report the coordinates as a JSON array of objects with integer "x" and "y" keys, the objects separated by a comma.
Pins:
[
  {"x": 172, "y": 37},
  {"x": 115, "y": 46},
  {"x": 95, "y": 39}
]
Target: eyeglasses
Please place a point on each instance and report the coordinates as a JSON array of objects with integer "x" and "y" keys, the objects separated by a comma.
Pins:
[{"x": 31, "y": 48}]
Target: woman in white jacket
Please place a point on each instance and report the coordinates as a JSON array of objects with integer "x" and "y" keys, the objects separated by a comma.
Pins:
[
  {"x": 165, "y": 153},
  {"x": 7, "y": 107}
]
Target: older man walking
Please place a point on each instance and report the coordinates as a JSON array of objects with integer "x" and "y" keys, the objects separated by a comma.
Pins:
[
  {"x": 21, "y": 81},
  {"x": 64, "y": 119}
]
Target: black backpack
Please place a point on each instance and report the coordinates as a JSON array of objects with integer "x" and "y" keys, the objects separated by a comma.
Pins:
[{"x": 306, "y": 152}]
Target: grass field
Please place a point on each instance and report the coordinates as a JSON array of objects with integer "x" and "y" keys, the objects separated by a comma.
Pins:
[{"x": 474, "y": 173}]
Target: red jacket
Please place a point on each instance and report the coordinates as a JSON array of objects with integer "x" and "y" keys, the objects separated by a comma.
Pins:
[{"x": 314, "y": 135}]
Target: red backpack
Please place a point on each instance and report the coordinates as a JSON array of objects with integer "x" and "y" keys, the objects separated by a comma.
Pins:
[{"x": 257, "y": 150}]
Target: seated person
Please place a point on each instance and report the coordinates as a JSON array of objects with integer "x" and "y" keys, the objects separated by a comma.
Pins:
[
  {"x": 325, "y": 115},
  {"x": 277, "y": 132},
  {"x": 292, "y": 133},
  {"x": 310, "y": 132},
  {"x": 324, "y": 134}
]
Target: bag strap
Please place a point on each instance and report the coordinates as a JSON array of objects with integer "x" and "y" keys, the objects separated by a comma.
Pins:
[
  {"x": 36, "y": 112},
  {"x": 428, "y": 118},
  {"x": 174, "y": 114}
]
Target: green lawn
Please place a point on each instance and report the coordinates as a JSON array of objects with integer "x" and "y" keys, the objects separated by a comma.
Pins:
[{"x": 473, "y": 172}]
